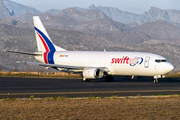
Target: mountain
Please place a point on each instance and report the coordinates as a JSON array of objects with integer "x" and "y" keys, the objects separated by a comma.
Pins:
[
  {"x": 19, "y": 9},
  {"x": 86, "y": 15},
  {"x": 60, "y": 22},
  {"x": 104, "y": 24},
  {"x": 174, "y": 15},
  {"x": 92, "y": 7},
  {"x": 71, "y": 21},
  {"x": 116, "y": 14},
  {"x": 118, "y": 37},
  {"x": 80, "y": 9},
  {"x": 158, "y": 29},
  {"x": 92, "y": 30},
  {"x": 175, "y": 24},
  {"x": 23, "y": 39},
  {"x": 4, "y": 12},
  {"x": 29, "y": 16},
  {"x": 65, "y": 22},
  {"x": 53, "y": 11},
  {"x": 155, "y": 14}
]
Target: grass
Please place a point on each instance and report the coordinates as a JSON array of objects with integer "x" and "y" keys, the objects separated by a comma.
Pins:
[
  {"x": 32, "y": 97},
  {"x": 29, "y": 74},
  {"x": 173, "y": 75},
  {"x": 161, "y": 94},
  {"x": 94, "y": 96},
  {"x": 62, "y": 108}
]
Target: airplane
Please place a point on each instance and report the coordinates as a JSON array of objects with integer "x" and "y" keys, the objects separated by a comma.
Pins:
[{"x": 95, "y": 64}]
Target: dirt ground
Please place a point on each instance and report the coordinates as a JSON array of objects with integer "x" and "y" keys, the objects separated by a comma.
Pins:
[{"x": 92, "y": 108}]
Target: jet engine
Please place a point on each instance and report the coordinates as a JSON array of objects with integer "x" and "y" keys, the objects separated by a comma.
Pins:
[{"x": 93, "y": 73}]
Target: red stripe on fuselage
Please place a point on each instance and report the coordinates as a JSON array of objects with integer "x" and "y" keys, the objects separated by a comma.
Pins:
[
  {"x": 44, "y": 43},
  {"x": 45, "y": 57}
]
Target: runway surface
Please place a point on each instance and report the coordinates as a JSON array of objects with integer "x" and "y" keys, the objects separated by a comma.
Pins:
[{"x": 49, "y": 87}]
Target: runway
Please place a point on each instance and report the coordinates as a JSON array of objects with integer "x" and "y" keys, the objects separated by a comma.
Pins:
[{"x": 49, "y": 87}]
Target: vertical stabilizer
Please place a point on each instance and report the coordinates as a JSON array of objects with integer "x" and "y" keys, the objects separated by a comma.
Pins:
[{"x": 44, "y": 42}]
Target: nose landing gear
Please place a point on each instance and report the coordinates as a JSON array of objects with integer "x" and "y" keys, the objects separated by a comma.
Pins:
[{"x": 156, "y": 79}]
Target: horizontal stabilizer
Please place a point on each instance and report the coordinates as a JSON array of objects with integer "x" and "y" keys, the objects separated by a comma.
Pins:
[{"x": 27, "y": 53}]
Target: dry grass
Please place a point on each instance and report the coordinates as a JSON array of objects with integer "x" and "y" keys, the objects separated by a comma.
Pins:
[
  {"x": 40, "y": 74},
  {"x": 94, "y": 108}
]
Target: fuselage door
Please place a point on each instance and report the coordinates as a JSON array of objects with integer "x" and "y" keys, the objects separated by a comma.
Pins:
[{"x": 146, "y": 63}]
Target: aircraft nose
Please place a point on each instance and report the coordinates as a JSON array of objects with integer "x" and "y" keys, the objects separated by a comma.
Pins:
[{"x": 170, "y": 67}]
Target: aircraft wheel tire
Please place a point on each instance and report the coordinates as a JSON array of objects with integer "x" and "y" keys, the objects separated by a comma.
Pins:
[
  {"x": 109, "y": 78},
  {"x": 86, "y": 80},
  {"x": 156, "y": 81}
]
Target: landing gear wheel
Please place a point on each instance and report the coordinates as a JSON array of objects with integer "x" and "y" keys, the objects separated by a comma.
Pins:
[
  {"x": 86, "y": 80},
  {"x": 109, "y": 78},
  {"x": 156, "y": 81}
]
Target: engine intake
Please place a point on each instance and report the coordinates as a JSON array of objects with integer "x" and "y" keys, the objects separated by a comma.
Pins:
[{"x": 93, "y": 73}]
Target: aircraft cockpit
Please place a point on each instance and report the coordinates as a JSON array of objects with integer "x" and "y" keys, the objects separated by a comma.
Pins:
[{"x": 161, "y": 60}]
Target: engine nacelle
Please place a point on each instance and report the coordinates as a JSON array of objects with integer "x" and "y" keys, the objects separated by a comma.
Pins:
[{"x": 93, "y": 73}]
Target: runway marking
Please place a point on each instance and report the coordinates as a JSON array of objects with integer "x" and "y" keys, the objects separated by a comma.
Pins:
[{"x": 89, "y": 92}]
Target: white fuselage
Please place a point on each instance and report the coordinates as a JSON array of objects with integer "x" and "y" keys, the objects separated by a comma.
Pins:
[{"x": 118, "y": 63}]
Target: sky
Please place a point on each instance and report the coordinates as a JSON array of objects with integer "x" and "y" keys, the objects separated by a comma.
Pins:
[{"x": 135, "y": 6}]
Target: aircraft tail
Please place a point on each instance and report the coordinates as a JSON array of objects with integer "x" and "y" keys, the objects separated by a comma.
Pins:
[{"x": 44, "y": 42}]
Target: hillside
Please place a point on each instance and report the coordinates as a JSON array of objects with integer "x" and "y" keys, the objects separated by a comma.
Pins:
[
  {"x": 158, "y": 29},
  {"x": 74, "y": 20},
  {"x": 116, "y": 14},
  {"x": 119, "y": 37},
  {"x": 23, "y": 39},
  {"x": 102, "y": 24},
  {"x": 91, "y": 29},
  {"x": 155, "y": 14},
  {"x": 28, "y": 17},
  {"x": 53, "y": 11},
  {"x": 19, "y": 9},
  {"x": 4, "y": 12},
  {"x": 86, "y": 15}
]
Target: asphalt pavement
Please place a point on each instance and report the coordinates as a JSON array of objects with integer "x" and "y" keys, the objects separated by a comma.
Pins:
[{"x": 50, "y": 87}]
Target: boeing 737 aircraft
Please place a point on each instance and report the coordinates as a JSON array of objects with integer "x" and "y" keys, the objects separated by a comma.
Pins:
[{"x": 95, "y": 64}]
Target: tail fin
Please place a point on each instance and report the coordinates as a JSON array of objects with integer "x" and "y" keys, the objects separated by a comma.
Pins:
[{"x": 44, "y": 42}]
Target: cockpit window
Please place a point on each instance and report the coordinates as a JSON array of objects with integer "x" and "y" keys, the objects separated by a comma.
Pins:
[{"x": 158, "y": 61}]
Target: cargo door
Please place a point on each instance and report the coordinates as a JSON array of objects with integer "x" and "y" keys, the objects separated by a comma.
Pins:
[{"x": 146, "y": 63}]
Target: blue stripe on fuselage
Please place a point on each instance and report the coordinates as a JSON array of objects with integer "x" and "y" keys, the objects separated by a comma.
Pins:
[
  {"x": 50, "y": 57},
  {"x": 49, "y": 43}
]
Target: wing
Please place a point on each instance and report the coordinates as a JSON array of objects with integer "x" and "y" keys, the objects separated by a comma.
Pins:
[
  {"x": 65, "y": 68},
  {"x": 52, "y": 65}
]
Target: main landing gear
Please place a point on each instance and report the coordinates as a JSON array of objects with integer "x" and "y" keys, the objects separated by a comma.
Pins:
[
  {"x": 109, "y": 78},
  {"x": 156, "y": 81},
  {"x": 86, "y": 80}
]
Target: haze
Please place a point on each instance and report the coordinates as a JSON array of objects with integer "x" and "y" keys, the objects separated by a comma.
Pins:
[{"x": 135, "y": 6}]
